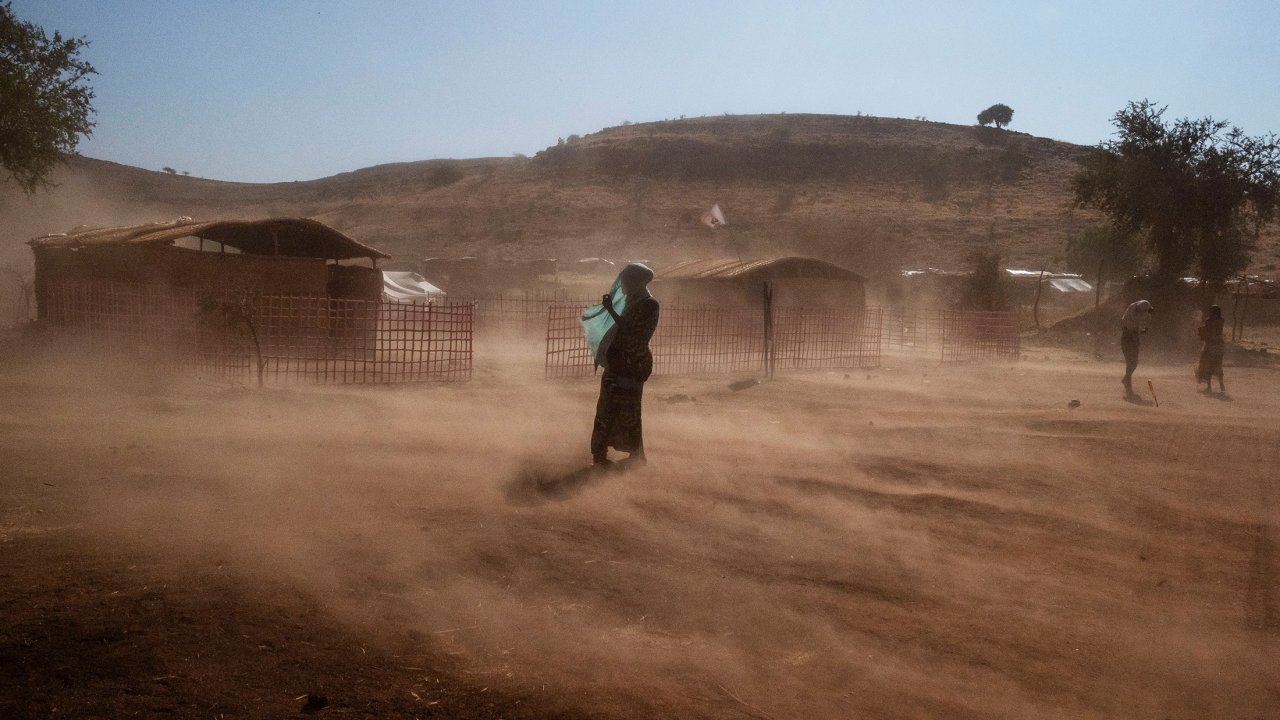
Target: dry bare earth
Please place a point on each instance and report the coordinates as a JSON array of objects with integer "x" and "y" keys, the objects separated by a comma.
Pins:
[
  {"x": 919, "y": 541},
  {"x": 875, "y": 193}
]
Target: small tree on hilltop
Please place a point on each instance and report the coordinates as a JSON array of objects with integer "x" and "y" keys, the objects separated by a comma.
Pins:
[
  {"x": 44, "y": 100},
  {"x": 999, "y": 114}
]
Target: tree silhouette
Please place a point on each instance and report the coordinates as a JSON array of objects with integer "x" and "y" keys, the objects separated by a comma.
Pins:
[
  {"x": 999, "y": 114},
  {"x": 44, "y": 99},
  {"x": 1198, "y": 195},
  {"x": 984, "y": 288}
]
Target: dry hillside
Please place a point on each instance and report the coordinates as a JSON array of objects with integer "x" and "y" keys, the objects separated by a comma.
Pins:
[{"x": 873, "y": 193}]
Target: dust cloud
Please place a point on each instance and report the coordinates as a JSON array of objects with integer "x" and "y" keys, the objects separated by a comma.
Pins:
[
  {"x": 912, "y": 541},
  {"x": 75, "y": 200}
]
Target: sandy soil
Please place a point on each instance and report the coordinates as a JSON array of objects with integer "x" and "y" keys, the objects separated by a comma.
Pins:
[{"x": 917, "y": 541}]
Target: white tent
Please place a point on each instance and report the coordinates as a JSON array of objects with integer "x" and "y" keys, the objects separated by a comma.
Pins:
[{"x": 403, "y": 286}]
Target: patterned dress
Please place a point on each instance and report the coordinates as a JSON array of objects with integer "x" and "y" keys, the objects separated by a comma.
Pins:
[
  {"x": 1212, "y": 351},
  {"x": 628, "y": 364}
]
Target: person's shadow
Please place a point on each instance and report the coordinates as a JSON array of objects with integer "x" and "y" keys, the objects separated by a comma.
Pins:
[
  {"x": 538, "y": 485},
  {"x": 1137, "y": 399}
]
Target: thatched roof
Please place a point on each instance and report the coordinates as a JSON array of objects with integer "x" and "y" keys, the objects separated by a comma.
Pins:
[
  {"x": 294, "y": 237},
  {"x": 776, "y": 267}
]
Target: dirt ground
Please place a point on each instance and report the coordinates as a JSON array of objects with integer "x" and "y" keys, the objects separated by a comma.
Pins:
[{"x": 916, "y": 541}]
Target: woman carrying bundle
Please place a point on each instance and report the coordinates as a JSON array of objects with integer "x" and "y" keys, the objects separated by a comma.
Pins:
[{"x": 618, "y": 332}]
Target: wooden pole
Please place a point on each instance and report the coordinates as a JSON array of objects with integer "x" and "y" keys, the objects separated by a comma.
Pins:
[
  {"x": 1035, "y": 308},
  {"x": 1097, "y": 316},
  {"x": 768, "y": 330},
  {"x": 1244, "y": 311},
  {"x": 1235, "y": 311}
]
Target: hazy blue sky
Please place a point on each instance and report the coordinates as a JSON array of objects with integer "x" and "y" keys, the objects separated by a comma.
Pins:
[{"x": 267, "y": 91}]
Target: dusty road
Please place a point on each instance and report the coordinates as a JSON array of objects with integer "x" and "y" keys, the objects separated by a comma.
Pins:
[{"x": 914, "y": 542}]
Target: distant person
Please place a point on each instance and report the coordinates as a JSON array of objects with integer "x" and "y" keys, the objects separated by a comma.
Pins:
[
  {"x": 1212, "y": 350},
  {"x": 618, "y": 331},
  {"x": 1132, "y": 324}
]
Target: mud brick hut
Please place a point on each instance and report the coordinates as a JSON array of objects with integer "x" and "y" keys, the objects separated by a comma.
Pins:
[
  {"x": 279, "y": 256},
  {"x": 795, "y": 281},
  {"x": 144, "y": 282}
]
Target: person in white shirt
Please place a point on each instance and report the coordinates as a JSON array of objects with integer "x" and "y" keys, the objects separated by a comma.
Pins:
[{"x": 1132, "y": 325}]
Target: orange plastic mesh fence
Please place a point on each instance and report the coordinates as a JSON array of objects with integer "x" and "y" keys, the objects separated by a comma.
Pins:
[
  {"x": 302, "y": 339},
  {"x": 979, "y": 335},
  {"x": 708, "y": 340},
  {"x": 567, "y": 351},
  {"x": 719, "y": 339},
  {"x": 523, "y": 314},
  {"x": 912, "y": 329},
  {"x": 819, "y": 337}
]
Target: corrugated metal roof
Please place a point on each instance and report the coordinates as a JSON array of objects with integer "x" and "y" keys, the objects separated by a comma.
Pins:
[
  {"x": 729, "y": 268},
  {"x": 295, "y": 237}
]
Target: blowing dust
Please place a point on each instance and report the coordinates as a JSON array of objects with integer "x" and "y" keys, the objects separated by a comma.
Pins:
[{"x": 905, "y": 542}]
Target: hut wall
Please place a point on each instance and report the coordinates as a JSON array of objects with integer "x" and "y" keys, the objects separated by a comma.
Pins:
[
  {"x": 843, "y": 294},
  {"x": 712, "y": 291},
  {"x": 268, "y": 274},
  {"x": 354, "y": 282},
  {"x": 748, "y": 292},
  {"x": 179, "y": 268}
]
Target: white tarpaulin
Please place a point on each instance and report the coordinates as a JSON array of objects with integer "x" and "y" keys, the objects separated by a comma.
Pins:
[
  {"x": 1065, "y": 283},
  {"x": 406, "y": 286},
  {"x": 1068, "y": 284}
]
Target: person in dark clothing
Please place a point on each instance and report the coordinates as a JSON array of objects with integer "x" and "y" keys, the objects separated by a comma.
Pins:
[
  {"x": 627, "y": 363},
  {"x": 1212, "y": 351},
  {"x": 1132, "y": 325}
]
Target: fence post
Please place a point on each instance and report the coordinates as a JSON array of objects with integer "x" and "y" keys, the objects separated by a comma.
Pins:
[
  {"x": 768, "y": 330},
  {"x": 1244, "y": 311},
  {"x": 546, "y": 361},
  {"x": 1097, "y": 315},
  {"x": 1035, "y": 308}
]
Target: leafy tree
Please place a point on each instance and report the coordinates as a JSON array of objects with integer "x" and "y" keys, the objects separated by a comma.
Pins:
[
  {"x": 1102, "y": 250},
  {"x": 169, "y": 170},
  {"x": 1198, "y": 195},
  {"x": 984, "y": 289},
  {"x": 44, "y": 99},
  {"x": 999, "y": 114}
]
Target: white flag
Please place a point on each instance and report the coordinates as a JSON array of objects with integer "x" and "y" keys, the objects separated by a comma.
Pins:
[{"x": 714, "y": 218}]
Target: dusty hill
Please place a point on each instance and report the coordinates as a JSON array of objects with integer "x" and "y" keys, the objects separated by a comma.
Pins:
[{"x": 873, "y": 193}]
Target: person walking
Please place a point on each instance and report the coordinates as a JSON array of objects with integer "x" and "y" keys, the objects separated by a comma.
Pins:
[
  {"x": 1212, "y": 351},
  {"x": 1132, "y": 324},
  {"x": 618, "y": 332}
]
